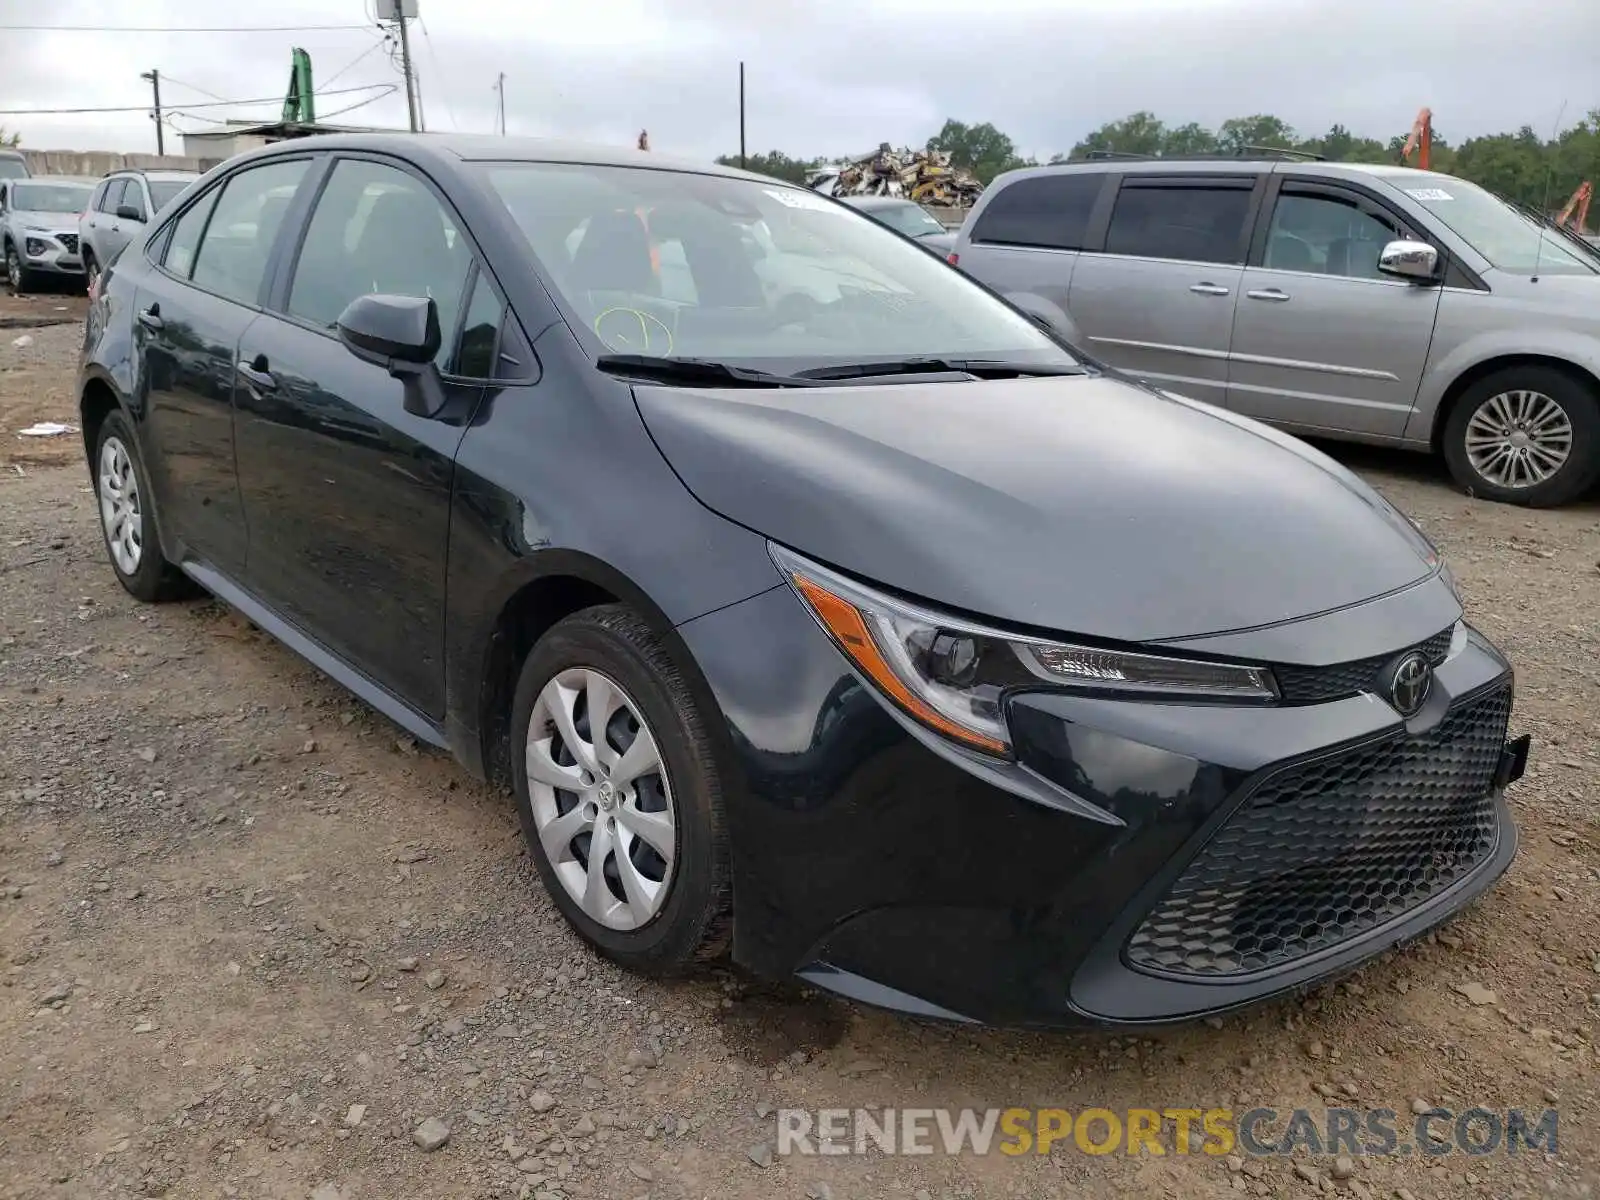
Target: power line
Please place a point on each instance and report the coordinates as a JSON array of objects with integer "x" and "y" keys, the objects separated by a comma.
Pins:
[
  {"x": 377, "y": 45},
  {"x": 434, "y": 58},
  {"x": 51, "y": 112},
  {"x": 176, "y": 28},
  {"x": 194, "y": 87}
]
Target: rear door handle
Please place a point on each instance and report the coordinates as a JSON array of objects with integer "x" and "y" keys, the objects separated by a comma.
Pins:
[
  {"x": 256, "y": 374},
  {"x": 1208, "y": 289},
  {"x": 1275, "y": 294},
  {"x": 150, "y": 317}
]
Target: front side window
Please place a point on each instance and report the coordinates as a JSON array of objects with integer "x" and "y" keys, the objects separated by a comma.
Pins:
[
  {"x": 678, "y": 264},
  {"x": 1326, "y": 235},
  {"x": 185, "y": 239},
  {"x": 50, "y": 197},
  {"x": 379, "y": 229},
  {"x": 1199, "y": 222},
  {"x": 1510, "y": 240},
  {"x": 111, "y": 197},
  {"x": 1051, "y": 211},
  {"x": 233, "y": 257}
]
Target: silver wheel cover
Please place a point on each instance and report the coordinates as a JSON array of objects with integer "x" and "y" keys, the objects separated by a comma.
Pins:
[
  {"x": 602, "y": 803},
  {"x": 1518, "y": 439},
  {"x": 118, "y": 488}
]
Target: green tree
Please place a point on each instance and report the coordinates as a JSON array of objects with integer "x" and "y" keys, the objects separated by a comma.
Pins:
[
  {"x": 981, "y": 149},
  {"x": 1192, "y": 138},
  {"x": 1139, "y": 133},
  {"x": 9, "y": 140},
  {"x": 1236, "y": 133},
  {"x": 774, "y": 163}
]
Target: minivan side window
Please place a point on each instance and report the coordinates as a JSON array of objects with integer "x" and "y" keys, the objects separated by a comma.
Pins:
[
  {"x": 1325, "y": 235},
  {"x": 1043, "y": 210},
  {"x": 233, "y": 257},
  {"x": 377, "y": 228},
  {"x": 1203, "y": 221}
]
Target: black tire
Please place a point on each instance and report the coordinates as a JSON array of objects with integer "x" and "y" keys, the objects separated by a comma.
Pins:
[
  {"x": 154, "y": 579},
  {"x": 693, "y": 923},
  {"x": 91, "y": 269},
  {"x": 1577, "y": 400},
  {"x": 20, "y": 278}
]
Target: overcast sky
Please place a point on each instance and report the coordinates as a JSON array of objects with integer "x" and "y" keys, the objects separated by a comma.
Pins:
[{"x": 826, "y": 76}]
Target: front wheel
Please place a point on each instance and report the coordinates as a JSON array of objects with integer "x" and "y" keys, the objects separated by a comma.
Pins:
[
  {"x": 20, "y": 278},
  {"x": 1525, "y": 435},
  {"x": 619, "y": 793},
  {"x": 127, "y": 516}
]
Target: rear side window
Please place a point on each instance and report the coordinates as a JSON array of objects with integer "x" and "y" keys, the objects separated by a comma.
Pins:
[
  {"x": 1198, "y": 222},
  {"x": 233, "y": 257},
  {"x": 1043, "y": 210}
]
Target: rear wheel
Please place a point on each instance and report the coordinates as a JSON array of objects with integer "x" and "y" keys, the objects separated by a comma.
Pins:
[
  {"x": 127, "y": 516},
  {"x": 1525, "y": 435},
  {"x": 619, "y": 793}
]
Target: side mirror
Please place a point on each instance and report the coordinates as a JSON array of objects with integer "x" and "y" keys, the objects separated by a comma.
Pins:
[
  {"x": 127, "y": 212},
  {"x": 400, "y": 334},
  {"x": 1416, "y": 261},
  {"x": 1051, "y": 318}
]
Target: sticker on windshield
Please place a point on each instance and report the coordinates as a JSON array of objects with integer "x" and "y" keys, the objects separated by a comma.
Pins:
[
  {"x": 1427, "y": 194},
  {"x": 794, "y": 198}
]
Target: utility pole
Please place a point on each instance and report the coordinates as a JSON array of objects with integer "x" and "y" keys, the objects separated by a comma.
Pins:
[
  {"x": 155, "y": 82},
  {"x": 405, "y": 66},
  {"x": 500, "y": 86},
  {"x": 741, "y": 116}
]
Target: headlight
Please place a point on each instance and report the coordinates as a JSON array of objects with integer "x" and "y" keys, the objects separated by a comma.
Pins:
[
  {"x": 34, "y": 247},
  {"x": 953, "y": 675}
]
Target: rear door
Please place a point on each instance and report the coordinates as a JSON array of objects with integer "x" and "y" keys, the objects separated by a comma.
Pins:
[
  {"x": 347, "y": 493},
  {"x": 1158, "y": 299},
  {"x": 1321, "y": 340},
  {"x": 1025, "y": 240},
  {"x": 211, "y": 270}
]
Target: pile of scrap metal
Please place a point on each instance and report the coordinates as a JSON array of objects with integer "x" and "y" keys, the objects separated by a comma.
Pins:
[{"x": 925, "y": 176}]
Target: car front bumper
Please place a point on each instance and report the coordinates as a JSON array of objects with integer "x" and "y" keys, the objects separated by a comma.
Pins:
[
  {"x": 1139, "y": 863},
  {"x": 55, "y": 258}
]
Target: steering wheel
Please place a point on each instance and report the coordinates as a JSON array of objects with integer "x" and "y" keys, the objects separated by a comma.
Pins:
[{"x": 625, "y": 330}]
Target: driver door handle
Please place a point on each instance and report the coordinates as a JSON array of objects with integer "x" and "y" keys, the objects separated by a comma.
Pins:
[
  {"x": 255, "y": 373},
  {"x": 1275, "y": 294},
  {"x": 150, "y": 317},
  {"x": 1208, "y": 289}
]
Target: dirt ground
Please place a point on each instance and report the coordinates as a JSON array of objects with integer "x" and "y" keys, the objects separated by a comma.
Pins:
[{"x": 251, "y": 937}]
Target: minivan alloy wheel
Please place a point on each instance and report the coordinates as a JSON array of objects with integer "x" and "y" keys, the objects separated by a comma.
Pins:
[
  {"x": 119, "y": 505},
  {"x": 1518, "y": 439},
  {"x": 602, "y": 803}
]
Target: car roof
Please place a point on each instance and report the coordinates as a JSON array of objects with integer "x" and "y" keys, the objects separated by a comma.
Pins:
[
  {"x": 154, "y": 173},
  {"x": 495, "y": 148},
  {"x": 82, "y": 180},
  {"x": 1220, "y": 165}
]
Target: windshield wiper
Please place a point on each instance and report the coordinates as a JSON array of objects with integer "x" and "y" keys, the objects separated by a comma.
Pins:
[
  {"x": 984, "y": 368},
  {"x": 696, "y": 370}
]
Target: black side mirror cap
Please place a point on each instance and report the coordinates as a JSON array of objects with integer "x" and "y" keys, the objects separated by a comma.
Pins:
[
  {"x": 399, "y": 329},
  {"x": 127, "y": 212}
]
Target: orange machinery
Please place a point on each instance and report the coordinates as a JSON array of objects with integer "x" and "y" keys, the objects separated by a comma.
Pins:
[
  {"x": 1575, "y": 216},
  {"x": 1419, "y": 141}
]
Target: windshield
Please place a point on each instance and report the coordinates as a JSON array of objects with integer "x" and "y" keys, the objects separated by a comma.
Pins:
[
  {"x": 910, "y": 219},
  {"x": 1510, "y": 240},
  {"x": 164, "y": 191},
  {"x": 50, "y": 197},
  {"x": 672, "y": 263}
]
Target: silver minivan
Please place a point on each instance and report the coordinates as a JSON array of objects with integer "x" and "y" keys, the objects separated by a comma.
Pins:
[{"x": 1373, "y": 303}]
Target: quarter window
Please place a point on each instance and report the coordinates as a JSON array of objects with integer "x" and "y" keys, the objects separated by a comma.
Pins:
[
  {"x": 480, "y": 334},
  {"x": 379, "y": 229},
  {"x": 232, "y": 260},
  {"x": 1042, "y": 210},
  {"x": 1325, "y": 235},
  {"x": 1200, "y": 222}
]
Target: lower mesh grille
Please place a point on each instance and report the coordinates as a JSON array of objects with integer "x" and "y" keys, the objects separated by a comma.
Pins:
[{"x": 1328, "y": 850}]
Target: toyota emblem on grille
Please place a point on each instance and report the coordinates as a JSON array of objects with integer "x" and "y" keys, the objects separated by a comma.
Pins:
[{"x": 1408, "y": 686}]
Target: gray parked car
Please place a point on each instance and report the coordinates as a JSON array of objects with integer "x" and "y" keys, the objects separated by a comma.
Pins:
[
  {"x": 123, "y": 204},
  {"x": 907, "y": 217},
  {"x": 39, "y": 228},
  {"x": 1374, "y": 303}
]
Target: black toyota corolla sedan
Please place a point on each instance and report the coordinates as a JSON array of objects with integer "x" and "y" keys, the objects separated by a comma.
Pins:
[{"x": 820, "y": 609}]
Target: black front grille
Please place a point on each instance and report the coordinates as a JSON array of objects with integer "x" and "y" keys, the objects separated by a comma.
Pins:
[
  {"x": 1313, "y": 685},
  {"x": 69, "y": 240},
  {"x": 1327, "y": 850}
]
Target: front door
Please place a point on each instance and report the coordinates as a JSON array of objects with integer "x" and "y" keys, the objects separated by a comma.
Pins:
[
  {"x": 190, "y": 314},
  {"x": 1321, "y": 339},
  {"x": 1158, "y": 302},
  {"x": 348, "y": 494}
]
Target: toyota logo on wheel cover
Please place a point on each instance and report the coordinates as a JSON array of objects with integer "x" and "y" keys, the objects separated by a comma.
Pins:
[{"x": 1410, "y": 683}]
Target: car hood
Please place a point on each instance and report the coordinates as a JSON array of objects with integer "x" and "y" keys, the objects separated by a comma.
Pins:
[
  {"x": 50, "y": 222},
  {"x": 1076, "y": 504}
]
